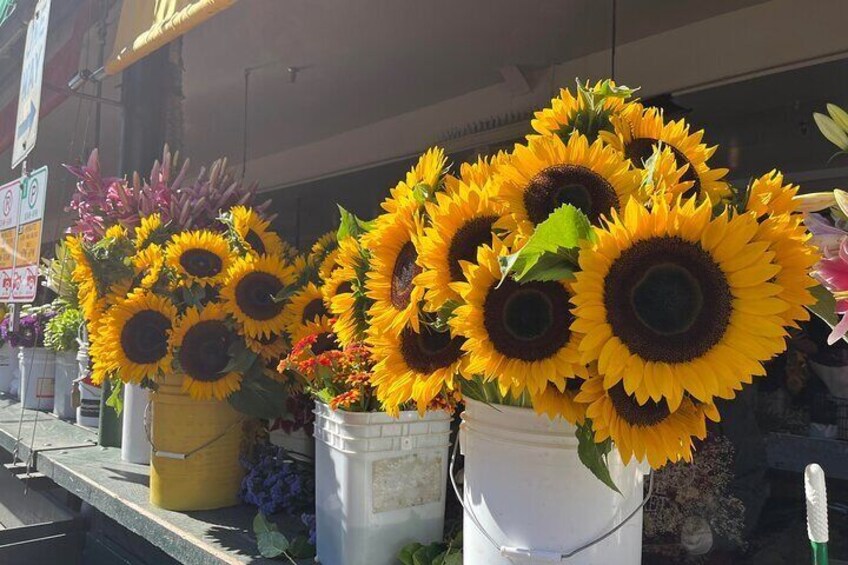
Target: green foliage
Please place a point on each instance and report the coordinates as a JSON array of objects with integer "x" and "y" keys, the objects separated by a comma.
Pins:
[
  {"x": 259, "y": 395},
  {"x": 272, "y": 543},
  {"x": 594, "y": 455},
  {"x": 116, "y": 396},
  {"x": 62, "y": 330},
  {"x": 825, "y": 307},
  {"x": 438, "y": 553},
  {"x": 551, "y": 252},
  {"x": 58, "y": 273},
  {"x": 351, "y": 226}
]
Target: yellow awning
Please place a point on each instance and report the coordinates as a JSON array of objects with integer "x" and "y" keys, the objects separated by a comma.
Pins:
[{"x": 147, "y": 25}]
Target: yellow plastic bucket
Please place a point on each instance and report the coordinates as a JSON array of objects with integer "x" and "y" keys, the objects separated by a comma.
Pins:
[{"x": 195, "y": 462}]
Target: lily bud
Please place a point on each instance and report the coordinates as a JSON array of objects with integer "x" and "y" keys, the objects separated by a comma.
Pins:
[{"x": 814, "y": 202}]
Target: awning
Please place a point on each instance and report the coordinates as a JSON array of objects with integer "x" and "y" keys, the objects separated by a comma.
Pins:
[{"x": 147, "y": 25}]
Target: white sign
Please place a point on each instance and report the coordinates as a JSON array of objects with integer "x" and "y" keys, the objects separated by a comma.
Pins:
[
  {"x": 29, "y": 99},
  {"x": 21, "y": 229}
]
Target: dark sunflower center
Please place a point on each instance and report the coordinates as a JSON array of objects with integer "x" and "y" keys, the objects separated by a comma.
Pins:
[
  {"x": 255, "y": 295},
  {"x": 640, "y": 149},
  {"x": 635, "y": 414},
  {"x": 405, "y": 270},
  {"x": 569, "y": 184},
  {"x": 429, "y": 350},
  {"x": 204, "y": 353},
  {"x": 201, "y": 263},
  {"x": 667, "y": 300},
  {"x": 324, "y": 342},
  {"x": 463, "y": 246},
  {"x": 144, "y": 338},
  {"x": 344, "y": 288},
  {"x": 313, "y": 310},
  {"x": 527, "y": 321},
  {"x": 268, "y": 339},
  {"x": 573, "y": 384},
  {"x": 255, "y": 242}
]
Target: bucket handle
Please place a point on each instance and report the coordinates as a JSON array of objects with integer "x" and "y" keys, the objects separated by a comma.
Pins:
[
  {"x": 536, "y": 554},
  {"x": 171, "y": 454}
]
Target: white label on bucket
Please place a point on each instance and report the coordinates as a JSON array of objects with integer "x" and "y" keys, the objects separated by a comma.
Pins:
[
  {"x": 404, "y": 482},
  {"x": 44, "y": 388}
]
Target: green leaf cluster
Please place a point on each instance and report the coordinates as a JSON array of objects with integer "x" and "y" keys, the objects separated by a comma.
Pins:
[
  {"x": 432, "y": 554},
  {"x": 62, "y": 330},
  {"x": 594, "y": 455},
  {"x": 351, "y": 226},
  {"x": 551, "y": 252}
]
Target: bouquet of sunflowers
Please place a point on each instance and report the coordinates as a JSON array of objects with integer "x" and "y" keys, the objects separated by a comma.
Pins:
[
  {"x": 602, "y": 272},
  {"x": 202, "y": 304}
]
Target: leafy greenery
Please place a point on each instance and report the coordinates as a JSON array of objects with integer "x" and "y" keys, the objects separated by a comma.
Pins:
[
  {"x": 594, "y": 455},
  {"x": 259, "y": 395},
  {"x": 438, "y": 553},
  {"x": 57, "y": 274},
  {"x": 350, "y": 225},
  {"x": 116, "y": 396},
  {"x": 551, "y": 252},
  {"x": 272, "y": 542},
  {"x": 62, "y": 331}
]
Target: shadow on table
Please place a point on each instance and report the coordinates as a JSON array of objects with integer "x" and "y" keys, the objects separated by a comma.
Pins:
[{"x": 129, "y": 476}]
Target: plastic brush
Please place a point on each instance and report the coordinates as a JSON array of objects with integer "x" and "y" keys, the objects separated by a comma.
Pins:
[{"x": 816, "y": 494}]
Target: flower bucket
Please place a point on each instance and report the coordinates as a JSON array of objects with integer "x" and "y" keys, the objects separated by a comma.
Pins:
[
  {"x": 135, "y": 448},
  {"x": 66, "y": 373},
  {"x": 88, "y": 411},
  {"x": 380, "y": 483},
  {"x": 37, "y": 370},
  {"x": 109, "y": 426},
  {"x": 195, "y": 460},
  {"x": 8, "y": 366},
  {"x": 527, "y": 493},
  {"x": 298, "y": 443}
]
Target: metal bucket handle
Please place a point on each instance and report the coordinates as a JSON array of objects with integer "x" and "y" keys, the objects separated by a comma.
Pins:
[{"x": 170, "y": 454}]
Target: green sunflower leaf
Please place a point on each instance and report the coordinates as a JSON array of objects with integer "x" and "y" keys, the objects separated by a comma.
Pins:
[
  {"x": 549, "y": 267},
  {"x": 260, "y": 396},
  {"x": 406, "y": 554},
  {"x": 825, "y": 307},
  {"x": 558, "y": 236},
  {"x": 350, "y": 225},
  {"x": 594, "y": 455},
  {"x": 241, "y": 358}
]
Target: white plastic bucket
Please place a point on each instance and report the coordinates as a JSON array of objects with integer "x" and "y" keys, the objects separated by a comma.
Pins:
[
  {"x": 528, "y": 490},
  {"x": 380, "y": 483},
  {"x": 298, "y": 443},
  {"x": 8, "y": 366},
  {"x": 135, "y": 448},
  {"x": 37, "y": 369},
  {"x": 88, "y": 412},
  {"x": 65, "y": 374}
]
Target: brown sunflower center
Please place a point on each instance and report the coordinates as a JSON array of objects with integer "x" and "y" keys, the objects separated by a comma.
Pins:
[
  {"x": 464, "y": 244},
  {"x": 573, "y": 384},
  {"x": 313, "y": 310},
  {"x": 635, "y": 414},
  {"x": 667, "y": 300},
  {"x": 144, "y": 337},
  {"x": 640, "y": 149},
  {"x": 527, "y": 321},
  {"x": 204, "y": 352},
  {"x": 405, "y": 270},
  {"x": 324, "y": 342},
  {"x": 579, "y": 186},
  {"x": 255, "y": 294},
  {"x": 201, "y": 263},
  {"x": 255, "y": 242},
  {"x": 344, "y": 288},
  {"x": 430, "y": 350}
]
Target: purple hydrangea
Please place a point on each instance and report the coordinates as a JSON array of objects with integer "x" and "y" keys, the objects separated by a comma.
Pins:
[
  {"x": 277, "y": 484},
  {"x": 308, "y": 520}
]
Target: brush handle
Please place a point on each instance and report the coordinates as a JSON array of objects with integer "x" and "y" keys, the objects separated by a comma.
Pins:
[{"x": 819, "y": 553}]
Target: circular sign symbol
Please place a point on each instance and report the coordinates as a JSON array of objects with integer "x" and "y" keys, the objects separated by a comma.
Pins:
[
  {"x": 32, "y": 198},
  {"x": 7, "y": 204}
]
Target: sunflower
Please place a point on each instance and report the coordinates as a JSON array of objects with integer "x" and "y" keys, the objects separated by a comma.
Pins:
[
  {"x": 83, "y": 276},
  {"x": 516, "y": 333},
  {"x": 568, "y": 113},
  {"x": 638, "y": 132},
  {"x": 148, "y": 263},
  {"x": 150, "y": 231},
  {"x": 328, "y": 265},
  {"x": 769, "y": 194},
  {"x": 428, "y": 171},
  {"x": 343, "y": 293},
  {"x": 135, "y": 334},
  {"x": 201, "y": 343},
  {"x": 326, "y": 338},
  {"x": 549, "y": 172},
  {"x": 670, "y": 300},
  {"x": 249, "y": 293},
  {"x": 415, "y": 366},
  {"x": 393, "y": 269},
  {"x": 253, "y": 232},
  {"x": 198, "y": 256},
  {"x": 306, "y": 305},
  {"x": 269, "y": 348},
  {"x": 557, "y": 400},
  {"x": 479, "y": 172},
  {"x": 649, "y": 430},
  {"x": 459, "y": 225},
  {"x": 115, "y": 232},
  {"x": 786, "y": 237}
]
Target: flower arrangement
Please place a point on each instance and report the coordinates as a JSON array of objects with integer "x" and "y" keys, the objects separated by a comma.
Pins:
[
  {"x": 31, "y": 328},
  {"x": 62, "y": 331},
  {"x": 602, "y": 271},
  {"x": 195, "y": 296}
]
